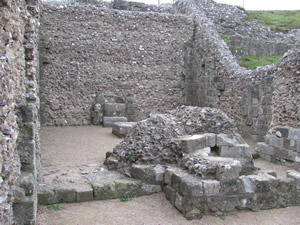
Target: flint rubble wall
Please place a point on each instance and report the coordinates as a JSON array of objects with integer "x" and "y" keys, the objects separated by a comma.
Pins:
[
  {"x": 214, "y": 79},
  {"x": 88, "y": 50},
  {"x": 19, "y": 136}
]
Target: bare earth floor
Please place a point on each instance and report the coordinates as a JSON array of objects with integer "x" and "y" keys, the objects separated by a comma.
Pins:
[{"x": 77, "y": 146}]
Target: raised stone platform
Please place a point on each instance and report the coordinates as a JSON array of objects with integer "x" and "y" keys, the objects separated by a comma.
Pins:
[
  {"x": 87, "y": 183},
  {"x": 121, "y": 129}
]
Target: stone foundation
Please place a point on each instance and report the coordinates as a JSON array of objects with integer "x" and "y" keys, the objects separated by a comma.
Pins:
[{"x": 282, "y": 147}]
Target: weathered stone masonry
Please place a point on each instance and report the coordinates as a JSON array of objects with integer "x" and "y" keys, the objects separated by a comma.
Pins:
[
  {"x": 19, "y": 157},
  {"x": 89, "y": 50}
]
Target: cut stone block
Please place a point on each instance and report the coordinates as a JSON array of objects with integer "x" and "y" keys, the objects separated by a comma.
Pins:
[
  {"x": 179, "y": 202},
  {"x": 65, "y": 195},
  {"x": 265, "y": 149},
  {"x": 210, "y": 139},
  {"x": 295, "y": 176},
  {"x": 248, "y": 184},
  {"x": 84, "y": 193},
  {"x": 121, "y": 129},
  {"x": 237, "y": 151},
  {"x": 116, "y": 189},
  {"x": 294, "y": 134},
  {"x": 109, "y": 121},
  {"x": 193, "y": 143},
  {"x": 151, "y": 188},
  {"x": 204, "y": 151},
  {"x": 263, "y": 182},
  {"x": 46, "y": 196},
  {"x": 211, "y": 187},
  {"x": 224, "y": 140},
  {"x": 168, "y": 174},
  {"x": 229, "y": 171},
  {"x": 191, "y": 186},
  {"x": 275, "y": 141},
  {"x": 152, "y": 174},
  {"x": 114, "y": 110}
]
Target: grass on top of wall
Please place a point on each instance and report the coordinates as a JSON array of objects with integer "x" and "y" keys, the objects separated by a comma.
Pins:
[
  {"x": 252, "y": 62},
  {"x": 276, "y": 20}
]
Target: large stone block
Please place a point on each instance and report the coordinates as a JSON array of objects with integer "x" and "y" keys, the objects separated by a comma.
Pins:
[
  {"x": 229, "y": 171},
  {"x": 84, "y": 193},
  {"x": 109, "y": 121},
  {"x": 248, "y": 184},
  {"x": 46, "y": 196},
  {"x": 65, "y": 195},
  {"x": 264, "y": 148},
  {"x": 152, "y": 174},
  {"x": 193, "y": 143},
  {"x": 151, "y": 188},
  {"x": 191, "y": 186},
  {"x": 114, "y": 110},
  {"x": 237, "y": 151},
  {"x": 224, "y": 140},
  {"x": 292, "y": 174},
  {"x": 294, "y": 134},
  {"x": 121, "y": 129},
  {"x": 27, "y": 155},
  {"x": 211, "y": 187},
  {"x": 275, "y": 141}
]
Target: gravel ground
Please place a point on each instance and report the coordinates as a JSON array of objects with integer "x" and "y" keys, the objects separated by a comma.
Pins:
[{"x": 75, "y": 146}]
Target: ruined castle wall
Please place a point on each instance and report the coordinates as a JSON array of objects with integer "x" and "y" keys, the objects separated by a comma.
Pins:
[
  {"x": 18, "y": 55},
  {"x": 246, "y": 37},
  {"x": 88, "y": 50},
  {"x": 214, "y": 79}
]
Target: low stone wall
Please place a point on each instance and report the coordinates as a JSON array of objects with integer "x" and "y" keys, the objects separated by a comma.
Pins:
[
  {"x": 282, "y": 147},
  {"x": 195, "y": 197},
  {"x": 88, "y": 50}
]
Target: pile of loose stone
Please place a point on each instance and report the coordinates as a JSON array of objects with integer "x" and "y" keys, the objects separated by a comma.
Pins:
[{"x": 201, "y": 163}]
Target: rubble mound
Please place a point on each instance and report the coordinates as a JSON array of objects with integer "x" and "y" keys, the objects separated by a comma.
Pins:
[{"x": 160, "y": 138}]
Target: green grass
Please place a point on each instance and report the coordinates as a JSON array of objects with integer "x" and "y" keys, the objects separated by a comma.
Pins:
[
  {"x": 47, "y": 165},
  {"x": 251, "y": 62},
  {"x": 53, "y": 207},
  {"x": 125, "y": 199},
  {"x": 276, "y": 20},
  {"x": 222, "y": 218}
]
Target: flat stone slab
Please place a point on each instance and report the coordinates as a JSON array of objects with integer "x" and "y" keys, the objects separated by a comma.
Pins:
[
  {"x": 121, "y": 129},
  {"x": 87, "y": 183},
  {"x": 109, "y": 121}
]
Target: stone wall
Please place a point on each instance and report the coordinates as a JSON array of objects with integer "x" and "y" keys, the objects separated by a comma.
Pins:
[
  {"x": 195, "y": 197},
  {"x": 88, "y": 50},
  {"x": 246, "y": 37},
  {"x": 18, "y": 107},
  {"x": 214, "y": 79},
  {"x": 281, "y": 147}
]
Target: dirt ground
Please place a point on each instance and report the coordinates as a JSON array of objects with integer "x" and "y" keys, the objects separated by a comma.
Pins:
[{"x": 75, "y": 146}]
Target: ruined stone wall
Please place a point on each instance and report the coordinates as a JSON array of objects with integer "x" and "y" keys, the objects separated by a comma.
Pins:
[
  {"x": 88, "y": 50},
  {"x": 18, "y": 109},
  {"x": 246, "y": 37},
  {"x": 214, "y": 79}
]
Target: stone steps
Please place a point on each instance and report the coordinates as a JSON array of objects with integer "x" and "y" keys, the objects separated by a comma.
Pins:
[{"x": 88, "y": 183}]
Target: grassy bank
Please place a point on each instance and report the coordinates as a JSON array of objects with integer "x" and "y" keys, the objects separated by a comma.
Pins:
[
  {"x": 276, "y": 20},
  {"x": 251, "y": 62}
]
